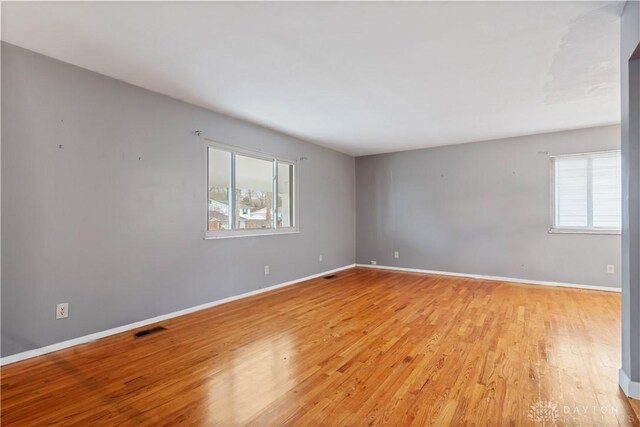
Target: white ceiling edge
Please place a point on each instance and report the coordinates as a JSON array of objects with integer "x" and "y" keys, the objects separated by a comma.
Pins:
[{"x": 359, "y": 78}]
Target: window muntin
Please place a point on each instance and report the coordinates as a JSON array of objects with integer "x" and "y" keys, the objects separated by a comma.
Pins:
[
  {"x": 241, "y": 188},
  {"x": 587, "y": 192}
]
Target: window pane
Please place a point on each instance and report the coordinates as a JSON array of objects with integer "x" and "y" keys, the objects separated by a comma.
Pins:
[
  {"x": 219, "y": 184},
  {"x": 571, "y": 191},
  {"x": 607, "y": 192},
  {"x": 254, "y": 193},
  {"x": 285, "y": 194}
]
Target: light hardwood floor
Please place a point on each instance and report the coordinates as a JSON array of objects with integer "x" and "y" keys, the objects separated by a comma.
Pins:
[{"x": 371, "y": 347}]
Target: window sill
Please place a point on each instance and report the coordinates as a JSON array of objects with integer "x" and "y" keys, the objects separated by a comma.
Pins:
[
  {"x": 583, "y": 231},
  {"x": 232, "y": 235}
]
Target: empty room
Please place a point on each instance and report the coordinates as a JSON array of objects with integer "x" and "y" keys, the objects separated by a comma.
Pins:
[{"x": 320, "y": 213}]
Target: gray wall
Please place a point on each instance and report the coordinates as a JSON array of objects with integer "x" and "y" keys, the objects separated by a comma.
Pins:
[
  {"x": 113, "y": 222},
  {"x": 480, "y": 208},
  {"x": 630, "y": 97}
]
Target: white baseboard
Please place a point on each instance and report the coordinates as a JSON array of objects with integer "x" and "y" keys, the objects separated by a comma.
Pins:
[
  {"x": 630, "y": 388},
  {"x": 92, "y": 337},
  {"x": 495, "y": 278}
]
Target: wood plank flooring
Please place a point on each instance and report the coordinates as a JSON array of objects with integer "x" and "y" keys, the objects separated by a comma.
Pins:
[{"x": 371, "y": 347}]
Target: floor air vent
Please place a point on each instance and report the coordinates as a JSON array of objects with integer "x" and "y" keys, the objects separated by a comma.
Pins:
[
  {"x": 150, "y": 331},
  {"x": 331, "y": 276}
]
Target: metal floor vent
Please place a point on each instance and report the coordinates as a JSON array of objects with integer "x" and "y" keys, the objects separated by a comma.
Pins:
[
  {"x": 150, "y": 331},
  {"x": 331, "y": 276}
]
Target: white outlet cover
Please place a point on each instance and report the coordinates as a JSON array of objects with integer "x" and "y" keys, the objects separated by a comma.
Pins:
[
  {"x": 396, "y": 254},
  {"x": 611, "y": 269},
  {"x": 320, "y": 258},
  {"x": 374, "y": 262},
  {"x": 62, "y": 310},
  {"x": 266, "y": 269}
]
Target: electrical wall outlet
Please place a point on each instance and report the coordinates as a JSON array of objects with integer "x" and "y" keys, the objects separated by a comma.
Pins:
[
  {"x": 266, "y": 269},
  {"x": 396, "y": 254},
  {"x": 611, "y": 269},
  {"x": 62, "y": 310},
  {"x": 374, "y": 262},
  {"x": 320, "y": 258}
]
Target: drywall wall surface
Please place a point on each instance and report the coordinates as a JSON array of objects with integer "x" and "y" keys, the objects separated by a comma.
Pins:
[
  {"x": 480, "y": 208},
  {"x": 104, "y": 205},
  {"x": 630, "y": 114}
]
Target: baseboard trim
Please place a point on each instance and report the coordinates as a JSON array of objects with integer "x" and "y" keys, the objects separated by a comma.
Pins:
[
  {"x": 495, "y": 278},
  {"x": 630, "y": 388},
  {"x": 95, "y": 336}
]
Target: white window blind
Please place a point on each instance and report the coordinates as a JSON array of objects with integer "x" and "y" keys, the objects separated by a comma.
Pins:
[{"x": 587, "y": 191}]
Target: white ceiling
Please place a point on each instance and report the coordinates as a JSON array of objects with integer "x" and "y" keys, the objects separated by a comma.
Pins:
[{"x": 360, "y": 77}]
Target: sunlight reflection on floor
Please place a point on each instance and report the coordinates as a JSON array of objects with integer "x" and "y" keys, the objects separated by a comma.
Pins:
[{"x": 257, "y": 374}]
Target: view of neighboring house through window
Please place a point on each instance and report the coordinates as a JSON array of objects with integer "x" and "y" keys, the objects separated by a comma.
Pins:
[
  {"x": 219, "y": 189},
  {"x": 241, "y": 188},
  {"x": 587, "y": 192},
  {"x": 254, "y": 193}
]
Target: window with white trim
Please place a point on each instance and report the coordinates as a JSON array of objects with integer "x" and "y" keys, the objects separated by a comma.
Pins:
[
  {"x": 249, "y": 193},
  {"x": 586, "y": 192}
]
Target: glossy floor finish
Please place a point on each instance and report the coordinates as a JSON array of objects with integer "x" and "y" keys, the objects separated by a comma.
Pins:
[{"x": 370, "y": 347}]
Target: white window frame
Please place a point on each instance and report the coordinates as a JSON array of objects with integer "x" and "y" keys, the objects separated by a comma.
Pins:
[
  {"x": 555, "y": 229},
  {"x": 232, "y": 233}
]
